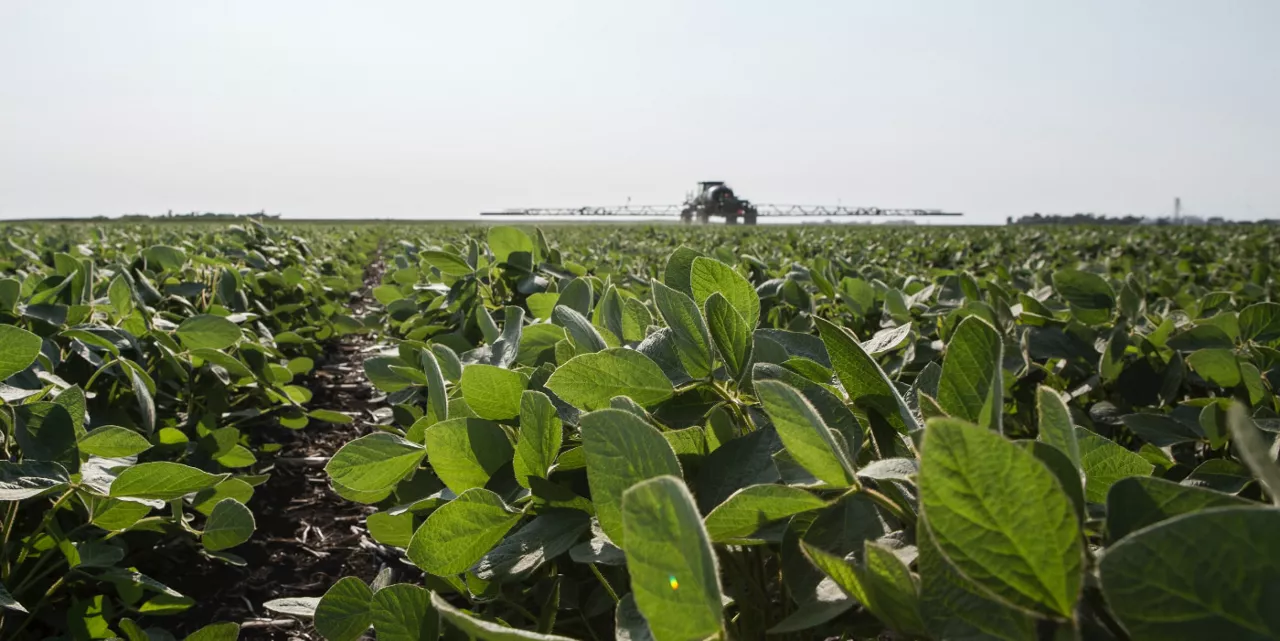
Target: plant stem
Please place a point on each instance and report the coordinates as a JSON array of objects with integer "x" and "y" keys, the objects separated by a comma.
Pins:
[
  {"x": 48, "y": 516},
  {"x": 607, "y": 588}
]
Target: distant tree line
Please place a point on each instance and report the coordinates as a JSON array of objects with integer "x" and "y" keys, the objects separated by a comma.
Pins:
[{"x": 206, "y": 215}]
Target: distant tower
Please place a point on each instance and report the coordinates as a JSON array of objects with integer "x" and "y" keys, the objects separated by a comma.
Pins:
[{"x": 1177, "y": 211}]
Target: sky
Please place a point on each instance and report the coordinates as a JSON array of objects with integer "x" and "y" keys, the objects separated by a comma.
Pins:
[{"x": 443, "y": 109}]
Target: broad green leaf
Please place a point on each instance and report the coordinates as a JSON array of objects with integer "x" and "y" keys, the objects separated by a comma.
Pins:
[
  {"x": 584, "y": 335},
  {"x": 887, "y": 340},
  {"x": 1201, "y": 337},
  {"x": 1139, "y": 501},
  {"x": 830, "y": 407},
  {"x": 18, "y": 350},
  {"x": 330, "y": 416},
  {"x": 493, "y": 392},
  {"x": 677, "y": 274},
  {"x": 162, "y": 480},
  {"x": 1160, "y": 430},
  {"x": 230, "y": 363},
  {"x": 972, "y": 384},
  {"x": 465, "y": 452},
  {"x": 374, "y": 462},
  {"x": 111, "y": 441},
  {"x": 403, "y": 612},
  {"x": 578, "y": 296},
  {"x": 546, "y": 537},
  {"x": 892, "y": 592},
  {"x": 1218, "y": 366},
  {"x": 688, "y": 329},
  {"x": 1054, "y": 420},
  {"x": 378, "y": 371},
  {"x": 1090, "y": 296},
  {"x": 448, "y": 263},
  {"x": 208, "y": 332},
  {"x": 437, "y": 398},
  {"x": 1260, "y": 322},
  {"x": 804, "y": 433},
  {"x": 46, "y": 431},
  {"x": 164, "y": 257},
  {"x": 233, "y": 488},
  {"x": 674, "y": 575},
  {"x": 510, "y": 245},
  {"x": 1000, "y": 517},
  {"x": 542, "y": 304},
  {"x": 391, "y": 529},
  {"x": 541, "y": 434},
  {"x": 216, "y": 632},
  {"x": 26, "y": 479},
  {"x": 863, "y": 380},
  {"x": 461, "y": 531},
  {"x": 229, "y": 524},
  {"x": 1163, "y": 582},
  {"x": 629, "y": 624},
  {"x": 753, "y": 507},
  {"x": 1256, "y": 452},
  {"x": 621, "y": 450},
  {"x": 481, "y": 630},
  {"x": 1103, "y": 463},
  {"x": 589, "y": 381},
  {"x": 730, "y": 333},
  {"x": 343, "y": 613},
  {"x": 954, "y": 608},
  {"x": 708, "y": 276}
]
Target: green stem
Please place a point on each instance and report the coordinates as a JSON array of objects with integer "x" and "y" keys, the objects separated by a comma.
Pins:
[
  {"x": 48, "y": 517},
  {"x": 889, "y": 506},
  {"x": 607, "y": 588},
  {"x": 40, "y": 604}
]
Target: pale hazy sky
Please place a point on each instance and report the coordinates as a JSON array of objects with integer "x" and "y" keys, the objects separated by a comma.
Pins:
[{"x": 443, "y": 109}]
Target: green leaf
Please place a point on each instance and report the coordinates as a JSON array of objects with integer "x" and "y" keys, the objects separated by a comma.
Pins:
[
  {"x": 972, "y": 384},
  {"x": 465, "y": 452},
  {"x": 542, "y": 304},
  {"x": 804, "y": 433},
  {"x": 1160, "y": 430},
  {"x": 621, "y": 450},
  {"x": 584, "y": 335},
  {"x": 461, "y": 531},
  {"x": 1254, "y": 450},
  {"x": 541, "y": 434},
  {"x": 343, "y": 613},
  {"x": 493, "y": 392},
  {"x": 449, "y": 264},
  {"x": 111, "y": 441},
  {"x": 893, "y": 593},
  {"x": 394, "y": 530},
  {"x": 1055, "y": 424},
  {"x": 437, "y": 398},
  {"x": 1000, "y": 517},
  {"x": 674, "y": 575},
  {"x": 403, "y": 612},
  {"x": 1218, "y": 366},
  {"x": 1163, "y": 582},
  {"x": 374, "y": 462},
  {"x": 546, "y": 537},
  {"x": 229, "y": 524},
  {"x": 233, "y": 488},
  {"x": 708, "y": 276},
  {"x": 162, "y": 480},
  {"x": 1090, "y": 296},
  {"x": 1103, "y": 463},
  {"x": 506, "y": 241},
  {"x": 164, "y": 257},
  {"x": 1260, "y": 322},
  {"x": 589, "y": 381},
  {"x": 730, "y": 333},
  {"x": 482, "y": 630},
  {"x": 1201, "y": 337},
  {"x": 577, "y": 296},
  {"x": 887, "y": 340},
  {"x": 688, "y": 329},
  {"x": 678, "y": 271},
  {"x": 230, "y": 363},
  {"x": 750, "y": 508},
  {"x": 208, "y": 332},
  {"x": 216, "y": 632},
  {"x": 1139, "y": 501},
  {"x": 18, "y": 350},
  {"x": 26, "y": 479},
  {"x": 378, "y": 371},
  {"x": 863, "y": 380},
  {"x": 954, "y": 608},
  {"x": 330, "y": 416}
]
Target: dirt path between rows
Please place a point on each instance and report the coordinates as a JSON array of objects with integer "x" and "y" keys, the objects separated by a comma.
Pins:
[{"x": 307, "y": 536}]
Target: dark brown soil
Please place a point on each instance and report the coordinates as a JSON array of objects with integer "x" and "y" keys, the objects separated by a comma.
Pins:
[{"x": 307, "y": 536}]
